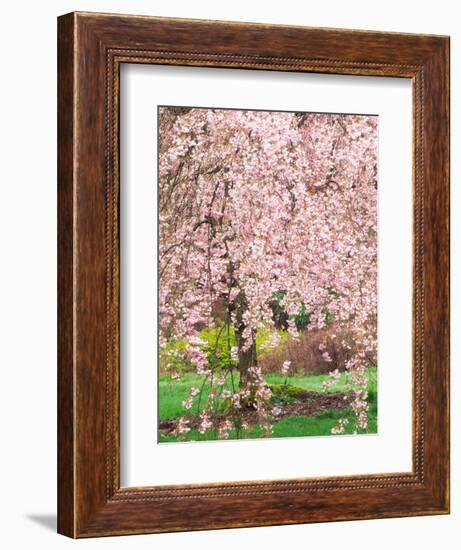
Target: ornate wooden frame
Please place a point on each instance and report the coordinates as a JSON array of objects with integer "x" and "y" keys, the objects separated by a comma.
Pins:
[{"x": 91, "y": 49}]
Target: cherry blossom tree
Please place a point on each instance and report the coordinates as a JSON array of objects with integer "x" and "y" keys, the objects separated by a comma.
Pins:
[{"x": 254, "y": 204}]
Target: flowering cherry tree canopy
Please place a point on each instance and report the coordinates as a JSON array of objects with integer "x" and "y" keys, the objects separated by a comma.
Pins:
[{"x": 254, "y": 203}]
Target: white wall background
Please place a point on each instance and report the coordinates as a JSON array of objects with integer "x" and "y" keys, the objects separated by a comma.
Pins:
[{"x": 28, "y": 271}]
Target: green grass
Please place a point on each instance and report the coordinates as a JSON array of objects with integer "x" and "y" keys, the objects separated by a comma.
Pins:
[
  {"x": 172, "y": 393},
  {"x": 293, "y": 426}
]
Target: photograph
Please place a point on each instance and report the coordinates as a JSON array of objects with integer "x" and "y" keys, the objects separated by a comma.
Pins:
[{"x": 267, "y": 274}]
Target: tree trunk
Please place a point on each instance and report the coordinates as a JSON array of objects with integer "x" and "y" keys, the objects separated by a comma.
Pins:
[{"x": 246, "y": 357}]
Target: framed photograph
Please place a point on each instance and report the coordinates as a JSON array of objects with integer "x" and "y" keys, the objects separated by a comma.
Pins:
[{"x": 253, "y": 259}]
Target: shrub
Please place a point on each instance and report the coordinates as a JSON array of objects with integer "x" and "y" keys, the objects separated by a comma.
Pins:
[
  {"x": 306, "y": 353},
  {"x": 173, "y": 358},
  {"x": 218, "y": 339},
  {"x": 311, "y": 351},
  {"x": 217, "y": 342}
]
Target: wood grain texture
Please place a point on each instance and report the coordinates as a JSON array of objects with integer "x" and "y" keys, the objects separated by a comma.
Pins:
[
  {"x": 66, "y": 468},
  {"x": 91, "y": 49}
]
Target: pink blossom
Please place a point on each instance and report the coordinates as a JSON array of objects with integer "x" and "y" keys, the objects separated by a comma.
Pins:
[
  {"x": 286, "y": 367},
  {"x": 205, "y": 423}
]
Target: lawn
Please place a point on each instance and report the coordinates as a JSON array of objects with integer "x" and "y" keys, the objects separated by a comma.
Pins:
[{"x": 173, "y": 392}]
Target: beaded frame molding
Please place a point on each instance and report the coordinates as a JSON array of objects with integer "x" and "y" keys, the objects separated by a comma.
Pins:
[{"x": 91, "y": 48}]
